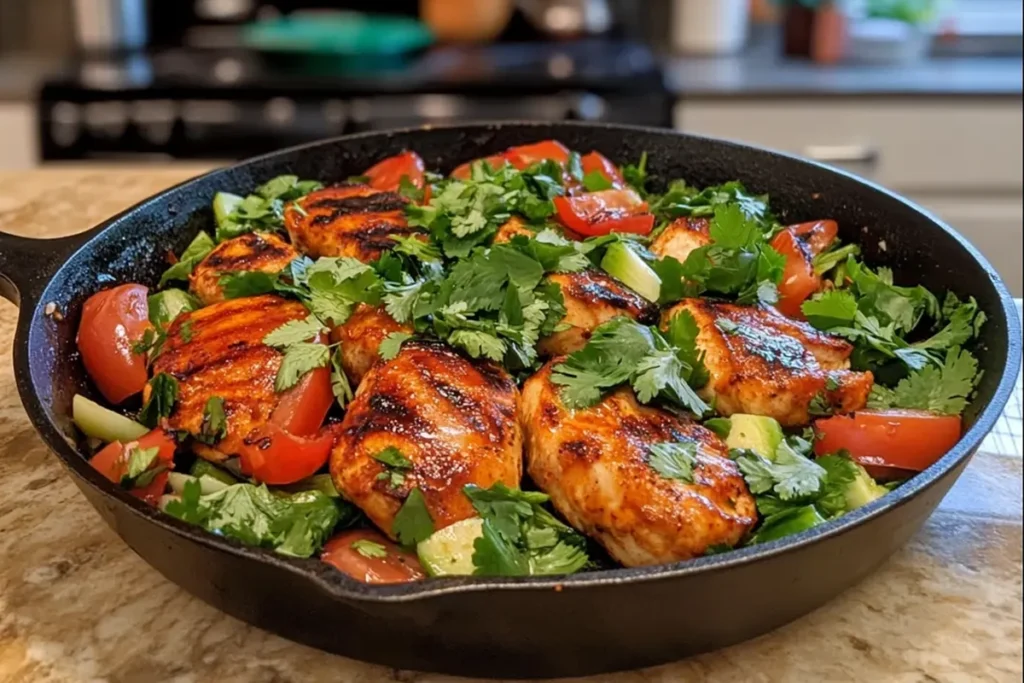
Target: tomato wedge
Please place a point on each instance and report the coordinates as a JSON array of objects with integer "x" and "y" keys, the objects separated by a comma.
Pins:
[
  {"x": 903, "y": 439},
  {"x": 367, "y": 556},
  {"x": 302, "y": 409},
  {"x": 464, "y": 171},
  {"x": 598, "y": 213},
  {"x": 599, "y": 163},
  {"x": 524, "y": 156},
  {"x": 798, "y": 278},
  {"x": 112, "y": 462},
  {"x": 273, "y": 456},
  {"x": 816, "y": 236},
  {"x": 113, "y": 321},
  {"x": 387, "y": 175}
]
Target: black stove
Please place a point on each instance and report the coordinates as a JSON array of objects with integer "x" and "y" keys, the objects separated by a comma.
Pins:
[{"x": 229, "y": 104}]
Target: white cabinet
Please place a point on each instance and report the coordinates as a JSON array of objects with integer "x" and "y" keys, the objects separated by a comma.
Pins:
[
  {"x": 18, "y": 146},
  {"x": 960, "y": 157}
]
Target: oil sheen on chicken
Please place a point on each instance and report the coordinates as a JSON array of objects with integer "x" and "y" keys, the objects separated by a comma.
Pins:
[
  {"x": 219, "y": 351},
  {"x": 595, "y": 465},
  {"x": 347, "y": 220},
  {"x": 452, "y": 418},
  {"x": 360, "y": 337},
  {"x": 263, "y": 252},
  {"x": 591, "y": 298},
  {"x": 762, "y": 362}
]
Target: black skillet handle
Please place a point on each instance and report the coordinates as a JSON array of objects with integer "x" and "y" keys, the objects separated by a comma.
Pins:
[{"x": 26, "y": 265}]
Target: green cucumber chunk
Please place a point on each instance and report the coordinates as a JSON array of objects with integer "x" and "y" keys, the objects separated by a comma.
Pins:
[
  {"x": 102, "y": 423},
  {"x": 757, "y": 433},
  {"x": 207, "y": 484},
  {"x": 203, "y": 468},
  {"x": 449, "y": 552},
  {"x": 626, "y": 266},
  {"x": 862, "y": 490}
]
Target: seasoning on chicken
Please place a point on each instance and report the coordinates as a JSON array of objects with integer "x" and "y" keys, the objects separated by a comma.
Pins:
[
  {"x": 218, "y": 351},
  {"x": 361, "y": 336},
  {"x": 347, "y": 220},
  {"x": 596, "y": 465},
  {"x": 262, "y": 252},
  {"x": 591, "y": 298},
  {"x": 762, "y": 362},
  {"x": 451, "y": 419},
  {"x": 681, "y": 237}
]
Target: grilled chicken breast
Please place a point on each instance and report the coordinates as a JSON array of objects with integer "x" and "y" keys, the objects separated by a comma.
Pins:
[
  {"x": 595, "y": 465},
  {"x": 591, "y": 298},
  {"x": 512, "y": 227},
  {"x": 219, "y": 351},
  {"x": 681, "y": 237},
  {"x": 347, "y": 220},
  {"x": 452, "y": 418},
  {"x": 764, "y": 363},
  {"x": 360, "y": 338},
  {"x": 263, "y": 252}
]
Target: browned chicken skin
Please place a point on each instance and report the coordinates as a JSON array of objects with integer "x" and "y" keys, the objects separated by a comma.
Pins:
[
  {"x": 263, "y": 252},
  {"x": 222, "y": 354},
  {"x": 593, "y": 462},
  {"x": 453, "y": 418},
  {"x": 360, "y": 338},
  {"x": 347, "y": 220},
  {"x": 681, "y": 237},
  {"x": 591, "y": 298},
  {"x": 764, "y": 363}
]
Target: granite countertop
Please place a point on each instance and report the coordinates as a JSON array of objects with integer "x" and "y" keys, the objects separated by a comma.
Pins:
[{"x": 77, "y": 605}]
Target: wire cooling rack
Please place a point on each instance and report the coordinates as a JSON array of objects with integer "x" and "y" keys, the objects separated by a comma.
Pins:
[{"x": 1008, "y": 433}]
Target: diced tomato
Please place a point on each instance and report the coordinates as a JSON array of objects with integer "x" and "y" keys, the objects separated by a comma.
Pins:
[
  {"x": 816, "y": 236},
  {"x": 598, "y": 213},
  {"x": 903, "y": 439},
  {"x": 524, "y": 156},
  {"x": 302, "y": 409},
  {"x": 362, "y": 561},
  {"x": 495, "y": 161},
  {"x": 387, "y": 175},
  {"x": 112, "y": 462},
  {"x": 798, "y": 278},
  {"x": 273, "y": 456},
  {"x": 113, "y": 321},
  {"x": 595, "y": 161}
]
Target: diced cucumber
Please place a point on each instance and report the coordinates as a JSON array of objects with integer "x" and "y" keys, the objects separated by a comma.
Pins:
[
  {"x": 224, "y": 204},
  {"x": 862, "y": 490},
  {"x": 449, "y": 552},
  {"x": 167, "y": 305},
  {"x": 756, "y": 433},
  {"x": 102, "y": 423},
  {"x": 318, "y": 482},
  {"x": 207, "y": 484},
  {"x": 628, "y": 267},
  {"x": 204, "y": 468}
]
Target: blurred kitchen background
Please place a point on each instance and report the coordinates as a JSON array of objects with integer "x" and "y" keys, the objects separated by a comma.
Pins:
[{"x": 923, "y": 96}]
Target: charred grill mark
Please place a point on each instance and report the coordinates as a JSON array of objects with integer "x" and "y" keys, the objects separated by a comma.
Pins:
[
  {"x": 386, "y": 413},
  {"x": 580, "y": 449},
  {"x": 257, "y": 249},
  {"x": 596, "y": 287},
  {"x": 379, "y": 202},
  {"x": 378, "y": 234}
]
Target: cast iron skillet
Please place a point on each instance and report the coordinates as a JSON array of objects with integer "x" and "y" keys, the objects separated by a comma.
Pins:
[{"x": 508, "y": 627}]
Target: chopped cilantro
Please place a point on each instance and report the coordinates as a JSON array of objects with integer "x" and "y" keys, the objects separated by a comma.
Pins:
[
  {"x": 673, "y": 460},
  {"x": 370, "y": 549},
  {"x": 392, "y": 344},
  {"x": 162, "y": 397},
  {"x": 413, "y": 522},
  {"x": 396, "y": 466},
  {"x": 214, "y": 426},
  {"x": 941, "y": 389},
  {"x": 297, "y": 361},
  {"x": 195, "y": 252},
  {"x": 340, "y": 386}
]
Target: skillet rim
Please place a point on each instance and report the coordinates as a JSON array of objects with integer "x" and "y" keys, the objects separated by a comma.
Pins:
[{"x": 340, "y": 585}]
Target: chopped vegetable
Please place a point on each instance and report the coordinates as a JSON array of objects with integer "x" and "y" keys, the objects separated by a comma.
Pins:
[
  {"x": 449, "y": 552},
  {"x": 102, "y": 423},
  {"x": 368, "y": 556},
  {"x": 114, "y": 322},
  {"x": 903, "y": 439}
]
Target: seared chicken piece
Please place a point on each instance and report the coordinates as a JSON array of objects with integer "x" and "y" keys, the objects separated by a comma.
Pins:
[
  {"x": 347, "y": 220},
  {"x": 591, "y": 298},
  {"x": 218, "y": 351},
  {"x": 764, "y": 363},
  {"x": 254, "y": 251},
  {"x": 360, "y": 337},
  {"x": 452, "y": 418},
  {"x": 595, "y": 465},
  {"x": 681, "y": 237},
  {"x": 512, "y": 227}
]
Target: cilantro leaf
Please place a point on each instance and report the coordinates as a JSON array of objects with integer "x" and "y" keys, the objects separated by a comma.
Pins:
[
  {"x": 370, "y": 549},
  {"x": 636, "y": 174},
  {"x": 673, "y": 460},
  {"x": 943, "y": 389},
  {"x": 294, "y": 331},
  {"x": 340, "y": 386},
  {"x": 297, "y": 361},
  {"x": 396, "y": 466},
  {"x": 392, "y": 344},
  {"x": 790, "y": 476},
  {"x": 834, "y": 308},
  {"x": 681, "y": 332},
  {"x": 413, "y": 522},
  {"x": 214, "y": 426},
  {"x": 201, "y": 245},
  {"x": 242, "y": 283},
  {"x": 478, "y": 344},
  {"x": 140, "y": 471},
  {"x": 595, "y": 181},
  {"x": 610, "y": 358},
  {"x": 424, "y": 250},
  {"x": 963, "y": 322},
  {"x": 162, "y": 397}
]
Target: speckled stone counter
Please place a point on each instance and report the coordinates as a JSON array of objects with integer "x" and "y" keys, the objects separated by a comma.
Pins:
[{"x": 77, "y": 605}]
